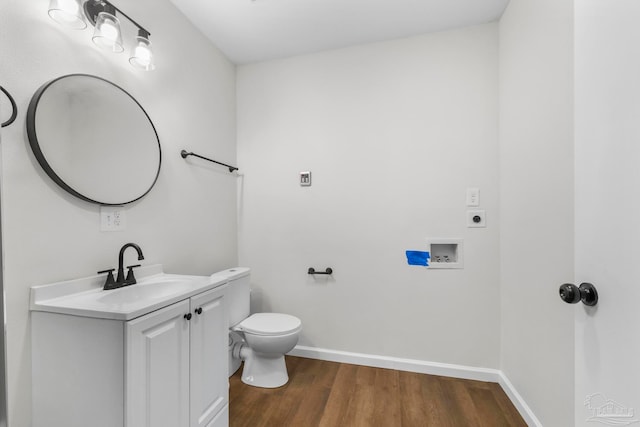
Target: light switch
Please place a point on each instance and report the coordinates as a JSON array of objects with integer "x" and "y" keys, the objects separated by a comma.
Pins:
[{"x": 473, "y": 197}]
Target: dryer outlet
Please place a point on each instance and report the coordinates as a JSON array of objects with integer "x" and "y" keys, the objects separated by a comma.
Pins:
[{"x": 476, "y": 219}]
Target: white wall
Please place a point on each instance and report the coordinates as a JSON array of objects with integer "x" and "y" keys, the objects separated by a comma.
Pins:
[
  {"x": 536, "y": 203},
  {"x": 393, "y": 134},
  {"x": 187, "y": 222}
]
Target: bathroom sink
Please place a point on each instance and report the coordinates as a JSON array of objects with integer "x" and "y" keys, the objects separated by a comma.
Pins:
[
  {"x": 154, "y": 290},
  {"x": 149, "y": 290}
]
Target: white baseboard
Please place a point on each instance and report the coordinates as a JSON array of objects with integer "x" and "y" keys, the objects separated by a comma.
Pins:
[
  {"x": 409, "y": 365},
  {"x": 517, "y": 400},
  {"x": 423, "y": 367}
]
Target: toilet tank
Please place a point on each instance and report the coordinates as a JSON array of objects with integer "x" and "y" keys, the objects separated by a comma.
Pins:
[{"x": 238, "y": 295}]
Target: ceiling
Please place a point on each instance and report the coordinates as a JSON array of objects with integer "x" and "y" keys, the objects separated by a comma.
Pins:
[{"x": 257, "y": 30}]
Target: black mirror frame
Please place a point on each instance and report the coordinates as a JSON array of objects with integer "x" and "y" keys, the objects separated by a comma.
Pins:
[{"x": 35, "y": 145}]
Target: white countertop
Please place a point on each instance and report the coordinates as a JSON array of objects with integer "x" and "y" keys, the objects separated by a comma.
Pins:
[{"x": 154, "y": 290}]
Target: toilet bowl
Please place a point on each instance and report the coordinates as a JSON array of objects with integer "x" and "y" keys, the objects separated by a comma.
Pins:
[
  {"x": 267, "y": 337},
  {"x": 261, "y": 339}
]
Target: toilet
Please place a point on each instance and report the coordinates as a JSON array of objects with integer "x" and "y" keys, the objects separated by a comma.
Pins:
[{"x": 261, "y": 339}]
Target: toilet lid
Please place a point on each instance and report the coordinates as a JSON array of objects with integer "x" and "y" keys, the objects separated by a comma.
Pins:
[{"x": 270, "y": 324}]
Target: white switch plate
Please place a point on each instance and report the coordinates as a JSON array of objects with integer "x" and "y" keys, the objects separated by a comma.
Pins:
[
  {"x": 112, "y": 218},
  {"x": 476, "y": 219},
  {"x": 473, "y": 197},
  {"x": 305, "y": 179}
]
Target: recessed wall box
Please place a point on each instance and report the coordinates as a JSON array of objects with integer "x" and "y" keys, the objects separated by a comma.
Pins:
[{"x": 446, "y": 253}]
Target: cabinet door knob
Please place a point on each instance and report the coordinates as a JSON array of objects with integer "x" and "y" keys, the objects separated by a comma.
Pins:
[
  {"x": 198, "y": 310},
  {"x": 187, "y": 316}
]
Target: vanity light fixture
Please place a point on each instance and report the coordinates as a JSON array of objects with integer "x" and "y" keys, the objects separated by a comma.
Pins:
[
  {"x": 142, "y": 56},
  {"x": 102, "y": 14},
  {"x": 68, "y": 13},
  {"x": 107, "y": 34}
]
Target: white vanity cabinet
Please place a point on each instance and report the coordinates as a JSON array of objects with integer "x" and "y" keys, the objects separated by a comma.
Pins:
[
  {"x": 166, "y": 368},
  {"x": 175, "y": 356}
]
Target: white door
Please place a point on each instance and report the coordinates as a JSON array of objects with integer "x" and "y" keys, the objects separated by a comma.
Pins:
[
  {"x": 209, "y": 365},
  {"x": 607, "y": 211},
  {"x": 157, "y": 368}
]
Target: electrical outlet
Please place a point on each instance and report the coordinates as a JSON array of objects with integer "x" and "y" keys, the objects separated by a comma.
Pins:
[
  {"x": 476, "y": 219},
  {"x": 112, "y": 218}
]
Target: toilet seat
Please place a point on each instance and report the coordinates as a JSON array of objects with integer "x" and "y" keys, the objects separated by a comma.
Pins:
[{"x": 270, "y": 324}]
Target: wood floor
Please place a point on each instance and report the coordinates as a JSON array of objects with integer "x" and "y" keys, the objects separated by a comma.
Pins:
[{"x": 330, "y": 394}]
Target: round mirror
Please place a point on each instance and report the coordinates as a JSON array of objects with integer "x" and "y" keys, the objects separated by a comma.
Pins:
[{"x": 94, "y": 139}]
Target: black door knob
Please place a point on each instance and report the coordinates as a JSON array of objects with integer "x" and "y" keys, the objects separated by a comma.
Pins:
[
  {"x": 198, "y": 310},
  {"x": 569, "y": 293},
  {"x": 572, "y": 294},
  {"x": 187, "y": 316}
]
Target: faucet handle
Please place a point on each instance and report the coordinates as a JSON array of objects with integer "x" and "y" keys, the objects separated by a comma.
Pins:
[
  {"x": 110, "y": 283},
  {"x": 131, "y": 279}
]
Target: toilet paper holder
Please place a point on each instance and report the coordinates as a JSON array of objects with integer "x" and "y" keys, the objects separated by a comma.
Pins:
[{"x": 312, "y": 270}]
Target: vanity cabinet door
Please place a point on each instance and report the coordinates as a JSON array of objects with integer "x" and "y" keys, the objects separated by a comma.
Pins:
[
  {"x": 157, "y": 368},
  {"x": 209, "y": 352}
]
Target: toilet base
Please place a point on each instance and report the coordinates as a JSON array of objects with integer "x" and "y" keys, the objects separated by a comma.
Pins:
[
  {"x": 234, "y": 361},
  {"x": 264, "y": 370}
]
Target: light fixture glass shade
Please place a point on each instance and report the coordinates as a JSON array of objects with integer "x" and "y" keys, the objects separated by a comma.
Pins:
[
  {"x": 68, "y": 13},
  {"x": 107, "y": 33},
  {"x": 142, "y": 55}
]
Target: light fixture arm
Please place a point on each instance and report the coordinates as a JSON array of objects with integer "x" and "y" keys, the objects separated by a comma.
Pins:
[{"x": 93, "y": 7}]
